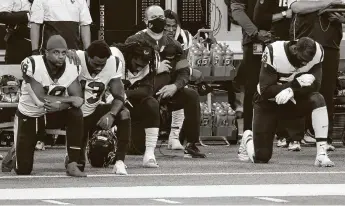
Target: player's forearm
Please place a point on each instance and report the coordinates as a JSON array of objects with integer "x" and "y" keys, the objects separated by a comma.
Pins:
[
  {"x": 51, "y": 98},
  {"x": 85, "y": 35},
  {"x": 305, "y": 7},
  {"x": 35, "y": 35},
  {"x": 117, "y": 105},
  {"x": 268, "y": 85},
  {"x": 263, "y": 14},
  {"x": 277, "y": 17},
  {"x": 64, "y": 106},
  {"x": 240, "y": 16},
  {"x": 182, "y": 77}
]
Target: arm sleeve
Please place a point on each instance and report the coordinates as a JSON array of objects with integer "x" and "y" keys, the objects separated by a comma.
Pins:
[
  {"x": 133, "y": 38},
  {"x": 238, "y": 8},
  {"x": 144, "y": 89},
  {"x": 268, "y": 87},
  {"x": 37, "y": 12},
  {"x": 84, "y": 15},
  {"x": 290, "y": 2},
  {"x": 182, "y": 68},
  {"x": 268, "y": 80},
  {"x": 118, "y": 67},
  {"x": 316, "y": 70},
  {"x": 263, "y": 13},
  {"x": 28, "y": 68}
]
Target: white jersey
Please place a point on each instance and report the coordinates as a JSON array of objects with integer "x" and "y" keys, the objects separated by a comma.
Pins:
[
  {"x": 275, "y": 56},
  {"x": 36, "y": 68},
  {"x": 95, "y": 87}
]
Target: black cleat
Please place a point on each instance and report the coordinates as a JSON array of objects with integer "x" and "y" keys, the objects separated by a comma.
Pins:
[{"x": 192, "y": 151}]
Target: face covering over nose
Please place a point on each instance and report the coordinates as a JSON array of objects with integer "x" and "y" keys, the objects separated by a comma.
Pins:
[{"x": 156, "y": 25}]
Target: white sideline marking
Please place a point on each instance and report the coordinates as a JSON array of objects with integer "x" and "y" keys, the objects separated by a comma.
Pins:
[
  {"x": 172, "y": 174},
  {"x": 56, "y": 202},
  {"x": 159, "y": 192},
  {"x": 271, "y": 199},
  {"x": 167, "y": 201}
]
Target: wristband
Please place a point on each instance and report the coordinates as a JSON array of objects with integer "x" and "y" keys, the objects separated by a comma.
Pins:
[
  {"x": 118, "y": 97},
  {"x": 284, "y": 14},
  {"x": 35, "y": 52}
]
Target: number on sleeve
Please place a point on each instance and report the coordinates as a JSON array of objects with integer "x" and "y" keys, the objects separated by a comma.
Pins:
[{"x": 56, "y": 91}]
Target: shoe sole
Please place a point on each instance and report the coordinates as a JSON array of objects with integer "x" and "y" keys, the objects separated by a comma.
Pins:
[
  {"x": 294, "y": 150},
  {"x": 317, "y": 164},
  {"x": 68, "y": 174},
  {"x": 151, "y": 166},
  {"x": 191, "y": 156}
]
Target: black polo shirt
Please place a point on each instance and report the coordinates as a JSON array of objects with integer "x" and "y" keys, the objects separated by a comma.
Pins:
[{"x": 328, "y": 34}]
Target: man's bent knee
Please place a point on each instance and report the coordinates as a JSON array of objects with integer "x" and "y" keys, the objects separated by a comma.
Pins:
[
  {"x": 191, "y": 93},
  {"x": 23, "y": 169},
  {"x": 316, "y": 100},
  {"x": 151, "y": 106}
]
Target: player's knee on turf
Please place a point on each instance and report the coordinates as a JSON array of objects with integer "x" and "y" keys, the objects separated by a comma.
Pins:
[
  {"x": 316, "y": 100},
  {"x": 262, "y": 155},
  {"x": 24, "y": 168},
  {"x": 124, "y": 114}
]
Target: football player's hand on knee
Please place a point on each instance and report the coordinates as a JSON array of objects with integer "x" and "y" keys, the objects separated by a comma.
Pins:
[
  {"x": 106, "y": 121},
  {"x": 73, "y": 57},
  {"x": 77, "y": 101},
  {"x": 284, "y": 96},
  {"x": 164, "y": 66},
  {"x": 306, "y": 80},
  {"x": 167, "y": 91},
  {"x": 52, "y": 106}
]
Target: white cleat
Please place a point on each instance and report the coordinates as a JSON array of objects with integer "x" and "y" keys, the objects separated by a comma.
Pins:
[
  {"x": 308, "y": 138},
  {"x": 149, "y": 161},
  {"x": 281, "y": 143},
  {"x": 40, "y": 146},
  {"x": 120, "y": 168},
  {"x": 242, "y": 150},
  {"x": 175, "y": 144},
  {"x": 294, "y": 146},
  {"x": 322, "y": 160}
]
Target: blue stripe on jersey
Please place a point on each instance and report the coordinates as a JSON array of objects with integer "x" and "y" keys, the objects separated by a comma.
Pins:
[
  {"x": 270, "y": 49},
  {"x": 33, "y": 64},
  {"x": 117, "y": 60},
  {"x": 321, "y": 48}
]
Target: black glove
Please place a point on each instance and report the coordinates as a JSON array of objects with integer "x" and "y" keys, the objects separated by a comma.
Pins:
[{"x": 204, "y": 89}]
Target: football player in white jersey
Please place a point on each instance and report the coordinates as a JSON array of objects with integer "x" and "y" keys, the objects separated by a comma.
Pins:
[
  {"x": 290, "y": 79},
  {"x": 101, "y": 71},
  {"x": 50, "y": 88},
  {"x": 138, "y": 78}
]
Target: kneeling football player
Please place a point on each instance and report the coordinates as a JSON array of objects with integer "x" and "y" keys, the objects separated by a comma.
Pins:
[
  {"x": 138, "y": 78},
  {"x": 288, "y": 89},
  {"x": 50, "y": 88},
  {"x": 101, "y": 71}
]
